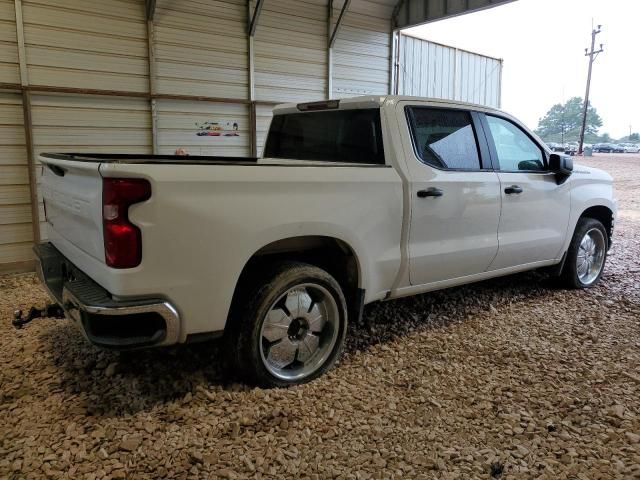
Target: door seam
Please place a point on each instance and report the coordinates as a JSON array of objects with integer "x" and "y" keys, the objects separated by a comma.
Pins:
[{"x": 499, "y": 221}]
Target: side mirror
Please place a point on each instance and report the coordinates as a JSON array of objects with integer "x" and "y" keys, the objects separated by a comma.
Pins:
[{"x": 561, "y": 165}]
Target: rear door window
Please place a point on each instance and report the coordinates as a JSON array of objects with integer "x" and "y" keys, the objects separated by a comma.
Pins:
[
  {"x": 444, "y": 138},
  {"x": 345, "y": 136}
]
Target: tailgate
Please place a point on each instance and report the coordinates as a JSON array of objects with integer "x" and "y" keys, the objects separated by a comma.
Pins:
[{"x": 72, "y": 192}]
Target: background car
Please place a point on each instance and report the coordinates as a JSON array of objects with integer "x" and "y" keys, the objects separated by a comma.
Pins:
[
  {"x": 571, "y": 148},
  {"x": 631, "y": 148},
  {"x": 555, "y": 147},
  {"x": 618, "y": 148},
  {"x": 604, "y": 148}
]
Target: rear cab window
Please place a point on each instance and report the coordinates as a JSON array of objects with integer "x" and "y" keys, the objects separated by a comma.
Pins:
[{"x": 342, "y": 136}]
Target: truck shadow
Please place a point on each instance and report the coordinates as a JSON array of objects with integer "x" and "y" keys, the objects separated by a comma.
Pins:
[
  {"x": 384, "y": 321},
  {"x": 113, "y": 384}
]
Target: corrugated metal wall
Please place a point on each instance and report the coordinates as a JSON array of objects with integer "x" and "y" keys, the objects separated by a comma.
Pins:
[
  {"x": 479, "y": 79},
  {"x": 182, "y": 124},
  {"x": 201, "y": 48},
  {"x": 362, "y": 50},
  {"x": 428, "y": 69},
  {"x": 89, "y": 44},
  {"x": 291, "y": 51},
  {"x": 16, "y": 236},
  {"x": 64, "y": 123},
  {"x": 9, "y": 70}
]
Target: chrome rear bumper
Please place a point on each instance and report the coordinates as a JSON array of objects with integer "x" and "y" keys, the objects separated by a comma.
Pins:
[{"x": 134, "y": 323}]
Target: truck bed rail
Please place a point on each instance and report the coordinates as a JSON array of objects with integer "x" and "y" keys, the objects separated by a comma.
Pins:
[{"x": 131, "y": 158}]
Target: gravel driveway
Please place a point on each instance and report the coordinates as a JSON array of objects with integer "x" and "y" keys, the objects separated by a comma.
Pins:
[{"x": 506, "y": 379}]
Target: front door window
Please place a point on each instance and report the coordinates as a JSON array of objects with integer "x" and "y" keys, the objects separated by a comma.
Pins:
[{"x": 515, "y": 150}]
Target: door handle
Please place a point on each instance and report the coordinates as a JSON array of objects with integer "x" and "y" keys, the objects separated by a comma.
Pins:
[
  {"x": 513, "y": 189},
  {"x": 430, "y": 192}
]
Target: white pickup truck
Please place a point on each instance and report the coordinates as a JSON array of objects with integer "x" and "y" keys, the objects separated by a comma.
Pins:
[{"x": 355, "y": 201}]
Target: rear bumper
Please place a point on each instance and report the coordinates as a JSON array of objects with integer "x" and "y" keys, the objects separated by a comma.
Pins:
[{"x": 106, "y": 322}]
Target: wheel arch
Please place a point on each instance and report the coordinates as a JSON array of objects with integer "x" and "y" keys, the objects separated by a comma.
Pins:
[
  {"x": 332, "y": 254},
  {"x": 604, "y": 215}
]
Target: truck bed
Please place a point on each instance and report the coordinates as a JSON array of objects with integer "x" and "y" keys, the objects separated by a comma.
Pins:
[{"x": 202, "y": 224}]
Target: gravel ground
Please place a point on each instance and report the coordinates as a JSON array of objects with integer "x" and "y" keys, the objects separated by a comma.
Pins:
[{"x": 505, "y": 379}]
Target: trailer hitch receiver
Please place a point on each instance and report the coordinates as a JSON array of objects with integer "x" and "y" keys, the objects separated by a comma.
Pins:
[{"x": 50, "y": 310}]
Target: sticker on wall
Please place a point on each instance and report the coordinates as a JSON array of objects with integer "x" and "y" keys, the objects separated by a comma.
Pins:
[{"x": 217, "y": 129}]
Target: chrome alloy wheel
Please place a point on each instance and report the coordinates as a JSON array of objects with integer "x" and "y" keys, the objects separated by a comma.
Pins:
[
  {"x": 300, "y": 331},
  {"x": 591, "y": 253}
]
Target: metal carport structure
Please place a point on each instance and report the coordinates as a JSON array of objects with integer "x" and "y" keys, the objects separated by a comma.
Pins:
[{"x": 146, "y": 77}]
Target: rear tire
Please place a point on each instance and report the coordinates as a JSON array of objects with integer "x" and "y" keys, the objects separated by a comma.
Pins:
[
  {"x": 587, "y": 255},
  {"x": 290, "y": 327}
]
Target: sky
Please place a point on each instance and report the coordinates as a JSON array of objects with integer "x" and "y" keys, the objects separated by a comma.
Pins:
[{"x": 543, "y": 43}]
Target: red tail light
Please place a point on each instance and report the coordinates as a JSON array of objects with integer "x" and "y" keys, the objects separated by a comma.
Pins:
[{"x": 122, "y": 239}]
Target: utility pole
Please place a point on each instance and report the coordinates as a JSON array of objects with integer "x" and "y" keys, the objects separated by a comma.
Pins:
[{"x": 592, "y": 54}]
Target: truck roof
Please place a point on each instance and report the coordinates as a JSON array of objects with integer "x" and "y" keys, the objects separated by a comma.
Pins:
[{"x": 373, "y": 101}]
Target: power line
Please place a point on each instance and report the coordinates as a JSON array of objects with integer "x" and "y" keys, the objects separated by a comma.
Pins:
[{"x": 592, "y": 54}]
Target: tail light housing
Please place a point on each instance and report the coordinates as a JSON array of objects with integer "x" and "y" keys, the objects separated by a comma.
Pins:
[{"x": 122, "y": 239}]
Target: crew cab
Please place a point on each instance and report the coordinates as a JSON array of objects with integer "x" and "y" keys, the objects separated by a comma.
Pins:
[{"x": 354, "y": 201}]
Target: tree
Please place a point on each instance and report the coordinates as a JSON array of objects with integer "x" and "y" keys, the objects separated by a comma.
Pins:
[
  {"x": 634, "y": 137},
  {"x": 563, "y": 122}
]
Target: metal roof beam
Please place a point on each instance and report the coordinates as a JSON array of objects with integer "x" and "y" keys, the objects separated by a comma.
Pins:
[
  {"x": 410, "y": 13},
  {"x": 396, "y": 10},
  {"x": 255, "y": 17},
  {"x": 150, "y": 9},
  {"x": 336, "y": 29}
]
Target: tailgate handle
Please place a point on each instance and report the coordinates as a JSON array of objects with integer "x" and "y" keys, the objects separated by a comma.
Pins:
[{"x": 59, "y": 171}]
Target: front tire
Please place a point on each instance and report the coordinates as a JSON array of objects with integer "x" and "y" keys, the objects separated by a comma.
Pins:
[
  {"x": 291, "y": 328},
  {"x": 587, "y": 255}
]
